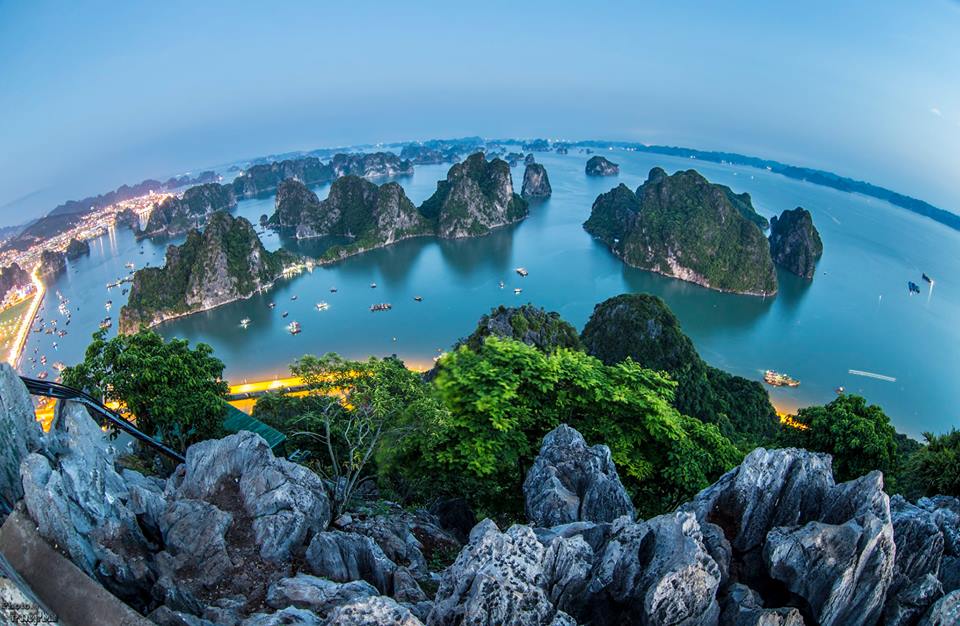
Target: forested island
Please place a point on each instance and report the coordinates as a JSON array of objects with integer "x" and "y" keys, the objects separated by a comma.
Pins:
[
  {"x": 688, "y": 228},
  {"x": 224, "y": 263},
  {"x": 476, "y": 196}
]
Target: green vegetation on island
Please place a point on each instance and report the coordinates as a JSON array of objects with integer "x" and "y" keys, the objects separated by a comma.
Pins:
[
  {"x": 795, "y": 244},
  {"x": 77, "y": 248},
  {"x": 685, "y": 227},
  {"x": 225, "y": 262},
  {"x": 175, "y": 216}
]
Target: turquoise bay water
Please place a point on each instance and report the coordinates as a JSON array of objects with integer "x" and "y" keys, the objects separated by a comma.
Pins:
[{"x": 856, "y": 313}]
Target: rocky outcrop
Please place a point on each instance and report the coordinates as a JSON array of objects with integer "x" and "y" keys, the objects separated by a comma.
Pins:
[
  {"x": 20, "y": 434},
  {"x": 264, "y": 177},
  {"x": 375, "y": 165},
  {"x": 129, "y": 219},
  {"x": 476, "y": 196},
  {"x": 224, "y": 263},
  {"x": 371, "y": 215},
  {"x": 795, "y": 244},
  {"x": 601, "y": 166},
  {"x": 536, "y": 184},
  {"x": 11, "y": 277},
  {"x": 77, "y": 248},
  {"x": 52, "y": 263},
  {"x": 532, "y": 325},
  {"x": 175, "y": 216},
  {"x": 685, "y": 227},
  {"x": 573, "y": 482}
]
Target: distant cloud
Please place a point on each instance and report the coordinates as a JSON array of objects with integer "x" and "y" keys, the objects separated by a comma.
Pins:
[{"x": 936, "y": 112}]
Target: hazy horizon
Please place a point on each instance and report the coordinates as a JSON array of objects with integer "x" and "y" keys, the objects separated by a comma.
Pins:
[{"x": 96, "y": 98}]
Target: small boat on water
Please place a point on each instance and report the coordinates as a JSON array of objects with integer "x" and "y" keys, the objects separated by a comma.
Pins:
[
  {"x": 106, "y": 322},
  {"x": 373, "y": 285},
  {"x": 42, "y": 375},
  {"x": 418, "y": 298},
  {"x": 522, "y": 271},
  {"x": 778, "y": 379},
  {"x": 927, "y": 278},
  {"x": 913, "y": 287},
  {"x": 333, "y": 290},
  {"x": 517, "y": 291},
  {"x": 501, "y": 284},
  {"x": 383, "y": 306},
  {"x": 285, "y": 313},
  {"x": 271, "y": 304},
  {"x": 129, "y": 266},
  {"x": 840, "y": 390},
  {"x": 108, "y": 304},
  {"x": 294, "y": 328},
  {"x": 293, "y": 297},
  {"x": 322, "y": 306},
  {"x": 245, "y": 322}
]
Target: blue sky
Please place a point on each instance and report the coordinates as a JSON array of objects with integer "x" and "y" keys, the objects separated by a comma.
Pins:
[{"x": 93, "y": 94}]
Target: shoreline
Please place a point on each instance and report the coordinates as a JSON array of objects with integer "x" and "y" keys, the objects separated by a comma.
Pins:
[{"x": 16, "y": 352}]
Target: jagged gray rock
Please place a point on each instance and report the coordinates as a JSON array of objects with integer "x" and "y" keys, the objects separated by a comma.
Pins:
[
  {"x": 290, "y": 616},
  {"x": 319, "y": 595},
  {"x": 343, "y": 557},
  {"x": 842, "y": 569},
  {"x": 79, "y": 503},
  {"x": 286, "y": 501},
  {"x": 496, "y": 581},
  {"x": 570, "y": 481},
  {"x": 20, "y": 434},
  {"x": 373, "y": 611},
  {"x": 743, "y": 607},
  {"x": 536, "y": 183},
  {"x": 919, "y": 553},
  {"x": 944, "y": 612}
]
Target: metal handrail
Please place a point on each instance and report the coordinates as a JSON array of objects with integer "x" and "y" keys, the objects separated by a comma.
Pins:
[{"x": 51, "y": 389}]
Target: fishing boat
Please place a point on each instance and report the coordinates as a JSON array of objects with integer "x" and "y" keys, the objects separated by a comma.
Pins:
[
  {"x": 245, "y": 322},
  {"x": 927, "y": 278},
  {"x": 322, "y": 306},
  {"x": 383, "y": 306},
  {"x": 778, "y": 379},
  {"x": 294, "y": 328},
  {"x": 913, "y": 287},
  {"x": 418, "y": 298},
  {"x": 522, "y": 271},
  {"x": 517, "y": 290}
]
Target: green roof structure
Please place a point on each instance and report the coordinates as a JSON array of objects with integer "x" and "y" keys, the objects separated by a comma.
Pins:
[{"x": 236, "y": 420}]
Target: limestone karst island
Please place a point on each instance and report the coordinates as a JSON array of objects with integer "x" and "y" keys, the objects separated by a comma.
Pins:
[{"x": 436, "y": 314}]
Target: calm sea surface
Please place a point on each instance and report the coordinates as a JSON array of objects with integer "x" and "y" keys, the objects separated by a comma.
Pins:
[{"x": 855, "y": 315}]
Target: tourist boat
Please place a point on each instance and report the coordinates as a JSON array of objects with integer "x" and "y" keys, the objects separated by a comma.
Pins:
[
  {"x": 106, "y": 322},
  {"x": 517, "y": 290},
  {"x": 373, "y": 285},
  {"x": 285, "y": 313},
  {"x": 927, "y": 278},
  {"x": 840, "y": 390},
  {"x": 913, "y": 287},
  {"x": 383, "y": 306},
  {"x": 245, "y": 322},
  {"x": 333, "y": 290},
  {"x": 418, "y": 298},
  {"x": 779, "y": 380},
  {"x": 271, "y": 304},
  {"x": 43, "y": 359},
  {"x": 294, "y": 328},
  {"x": 522, "y": 271},
  {"x": 42, "y": 375},
  {"x": 129, "y": 266},
  {"x": 293, "y": 297},
  {"x": 501, "y": 284},
  {"x": 322, "y": 306},
  {"x": 108, "y": 304},
  {"x": 59, "y": 366}
]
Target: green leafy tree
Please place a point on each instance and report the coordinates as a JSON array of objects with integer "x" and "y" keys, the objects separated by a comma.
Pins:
[
  {"x": 173, "y": 392},
  {"x": 503, "y": 398},
  {"x": 934, "y": 469},
  {"x": 859, "y": 436}
]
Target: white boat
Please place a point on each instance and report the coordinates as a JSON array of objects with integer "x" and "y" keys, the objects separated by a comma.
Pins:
[
  {"x": 522, "y": 271},
  {"x": 322, "y": 306},
  {"x": 373, "y": 285},
  {"x": 245, "y": 322},
  {"x": 517, "y": 290},
  {"x": 294, "y": 328}
]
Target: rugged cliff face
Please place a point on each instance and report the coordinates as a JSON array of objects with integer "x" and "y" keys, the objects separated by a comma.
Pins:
[
  {"x": 536, "y": 184},
  {"x": 175, "y": 216},
  {"x": 601, "y": 166},
  {"x": 376, "y": 165},
  {"x": 371, "y": 215},
  {"x": 795, "y": 243},
  {"x": 267, "y": 176},
  {"x": 225, "y": 262},
  {"x": 532, "y": 325},
  {"x": 685, "y": 227},
  {"x": 52, "y": 263},
  {"x": 77, "y": 248},
  {"x": 12, "y": 276},
  {"x": 238, "y": 536},
  {"x": 476, "y": 196}
]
